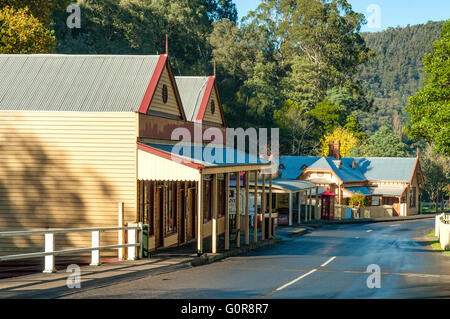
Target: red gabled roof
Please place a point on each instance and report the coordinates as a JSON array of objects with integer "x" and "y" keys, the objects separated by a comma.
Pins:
[
  {"x": 212, "y": 84},
  {"x": 150, "y": 92}
]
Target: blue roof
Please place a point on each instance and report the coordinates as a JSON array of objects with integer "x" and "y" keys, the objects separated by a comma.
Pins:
[
  {"x": 367, "y": 168},
  {"x": 211, "y": 155}
]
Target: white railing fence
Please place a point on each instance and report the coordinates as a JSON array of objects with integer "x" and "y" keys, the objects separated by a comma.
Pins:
[{"x": 50, "y": 252}]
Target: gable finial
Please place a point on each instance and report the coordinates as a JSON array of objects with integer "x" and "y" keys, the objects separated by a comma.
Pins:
[
  {"x": 214, "y": 68},
  {"x": 167, "y": 44}
]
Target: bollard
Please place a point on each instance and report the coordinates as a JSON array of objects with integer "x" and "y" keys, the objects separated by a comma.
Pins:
[{"x": 49, "y": 260}]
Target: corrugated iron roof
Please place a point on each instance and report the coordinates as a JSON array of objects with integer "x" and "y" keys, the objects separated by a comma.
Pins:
[
  {"x": 192, "y": 89},
  {"x": 287, "y": 184},
  {"x": 367, "y": 168},
  {"x": 210, "y": 156},
  {"x": 85, "y": 83}
]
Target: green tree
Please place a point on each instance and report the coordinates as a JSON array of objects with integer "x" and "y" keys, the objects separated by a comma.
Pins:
[
  {"x": 21, "y": 32},
  {"x": 384, "y": 143},
  {"x": 40, "y": 9},
  {"x": 397, "y": 71},
  {"x": 323, "y": 39},
  {"x": 276, "y": 55},
  {"x": 353, "y": 126},
  {"x": 436, "y": 171},
  {"x": 296, "y": 128},
  {"x": 430, "y": 107},
  {"x": 328, "y": 116},
  {"x": 358, "y": 199}
]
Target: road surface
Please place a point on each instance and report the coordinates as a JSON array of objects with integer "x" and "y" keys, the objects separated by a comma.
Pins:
[{"x": 330, "y": 262}]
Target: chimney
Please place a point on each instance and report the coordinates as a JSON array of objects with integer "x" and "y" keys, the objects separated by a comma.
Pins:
[{"x": 335, "y": 149}]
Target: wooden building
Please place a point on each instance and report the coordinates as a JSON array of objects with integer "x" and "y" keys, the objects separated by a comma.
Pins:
[
  {"x": 391, "y": 185},
  {"x": 82, "y": 135}
]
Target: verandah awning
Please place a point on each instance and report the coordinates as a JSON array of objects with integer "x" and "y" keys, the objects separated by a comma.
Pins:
[
  {"x": 382, "y": 191},
  {"x": 287, "y": 185}
]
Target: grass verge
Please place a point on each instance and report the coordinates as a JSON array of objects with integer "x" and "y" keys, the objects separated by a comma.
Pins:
[{"x": 434, "y": 243}]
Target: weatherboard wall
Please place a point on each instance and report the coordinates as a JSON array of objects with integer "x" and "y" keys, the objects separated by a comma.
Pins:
[
  {"x": 216, "y": 117},
  {"x": 65, "y": 170},
  {"x": 157, "y": 104}
]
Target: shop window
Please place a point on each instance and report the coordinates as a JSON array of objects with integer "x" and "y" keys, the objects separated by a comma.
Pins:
[
  {"x": 376, "y": 201},
  {"x": 390, "y": 201}
]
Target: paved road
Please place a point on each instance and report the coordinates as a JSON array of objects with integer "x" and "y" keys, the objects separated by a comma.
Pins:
[{"x": 330, "y": 262}]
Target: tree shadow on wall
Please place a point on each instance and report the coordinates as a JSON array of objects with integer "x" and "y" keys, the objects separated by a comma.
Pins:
[{"x": 39, "y": 188}]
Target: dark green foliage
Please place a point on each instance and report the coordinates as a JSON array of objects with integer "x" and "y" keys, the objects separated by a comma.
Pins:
[
  {"x": 430, "y": 107},
  {"x": 384, "y": 143},
  {"x": 397, "y": 72}
]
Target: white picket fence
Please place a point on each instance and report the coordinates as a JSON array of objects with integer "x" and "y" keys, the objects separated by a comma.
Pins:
[
  {"x": 50, "y": 252},
  {"x": 442, "y": 230}
]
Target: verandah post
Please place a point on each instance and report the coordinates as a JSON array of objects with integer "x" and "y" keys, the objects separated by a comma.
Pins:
[
  {"x": 227, "y": 213},
  {"x": 255, "y": 215},
  {"x": 238, "y": 212}
]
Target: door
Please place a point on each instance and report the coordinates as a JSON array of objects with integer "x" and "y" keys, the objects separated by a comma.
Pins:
[
  {"x": 183, "y": 216},
  {"x": 396, "y": 209},
  {"x": 159, "y": 227},
  {"x": 190, "y": 214},
  {"x": 325, "y": 208}
]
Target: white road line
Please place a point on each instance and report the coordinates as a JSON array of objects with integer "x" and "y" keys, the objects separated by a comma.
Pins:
[
  {"x": 328, "y": 261},
  {"x": 369, "y": 231},
  {"x": 305, "y": 275},
  {"x": 396, "y": 225},
  {"x": 295, "y": 280}
]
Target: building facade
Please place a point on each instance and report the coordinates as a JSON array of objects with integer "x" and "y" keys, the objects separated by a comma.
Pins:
[
  {"x": 87, "y": 141},
  {"x": 391, "y": 185}
]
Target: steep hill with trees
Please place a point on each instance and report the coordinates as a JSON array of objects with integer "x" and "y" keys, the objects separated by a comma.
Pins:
[{"x": 397, "y": 71}]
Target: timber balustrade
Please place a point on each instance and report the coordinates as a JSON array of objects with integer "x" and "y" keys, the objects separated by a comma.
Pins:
[{"x": 95, "y": 248}]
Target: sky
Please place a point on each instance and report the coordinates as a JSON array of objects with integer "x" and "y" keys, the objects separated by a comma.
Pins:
[{"x": 382, "y": 14}]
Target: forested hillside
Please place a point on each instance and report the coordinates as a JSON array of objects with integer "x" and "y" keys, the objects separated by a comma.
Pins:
[
  {"x": 397, "y": 71},
  {"x": 303, "y": 68}
]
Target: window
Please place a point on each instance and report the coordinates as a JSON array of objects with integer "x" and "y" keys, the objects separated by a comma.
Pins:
[
  {"x": 412, "y": 200},
  {"x": 390, "y": 201},
  {"x": 213, "y": 107},
  {"x": 165, "y": 94},
  {"x": 376, "y": 200},
  {"x": 146, "y": 204}
]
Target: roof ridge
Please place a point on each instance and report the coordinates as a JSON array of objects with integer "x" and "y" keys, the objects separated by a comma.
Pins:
[{"x": 80, "y": 55}]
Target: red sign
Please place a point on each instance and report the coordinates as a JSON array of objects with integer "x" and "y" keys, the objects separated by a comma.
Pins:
[{"x": 283, "y": 219}]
